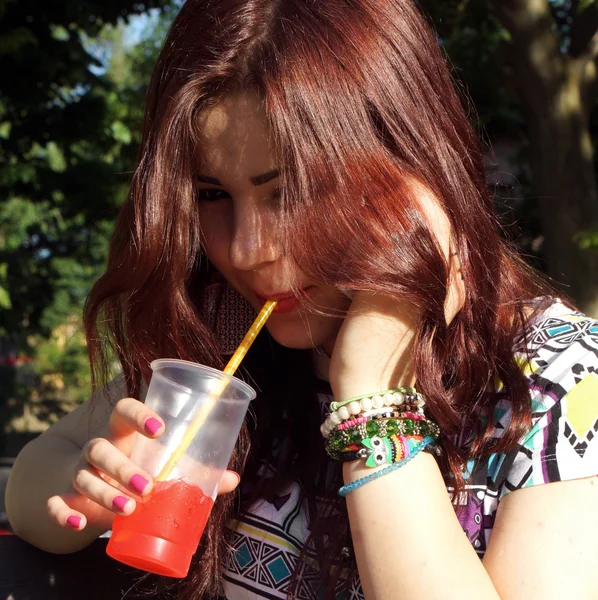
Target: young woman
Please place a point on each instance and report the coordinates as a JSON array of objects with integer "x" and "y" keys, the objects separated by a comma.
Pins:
[{"x": 317, "y": 153}]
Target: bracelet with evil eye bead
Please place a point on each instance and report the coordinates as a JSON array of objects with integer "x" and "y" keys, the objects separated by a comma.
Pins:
[
  {"x": 426, "y": 445},
  {"x": 378, "y": 451},
  {"x": 349, "y": 439}
]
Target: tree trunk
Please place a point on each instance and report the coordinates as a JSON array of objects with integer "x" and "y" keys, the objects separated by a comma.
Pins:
[
  {"x": 552, "y": 90},
  {"x": 564, "y": 182}
]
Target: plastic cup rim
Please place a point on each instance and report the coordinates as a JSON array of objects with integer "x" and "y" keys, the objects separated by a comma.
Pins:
[{"x": 220, "y": 375}]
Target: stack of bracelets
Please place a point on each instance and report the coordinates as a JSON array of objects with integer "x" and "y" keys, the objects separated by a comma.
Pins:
[{"x": 388, "y": 428}]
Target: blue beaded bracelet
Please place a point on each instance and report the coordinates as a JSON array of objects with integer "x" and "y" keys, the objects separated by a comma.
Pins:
[{"x": 427, "y": 441}]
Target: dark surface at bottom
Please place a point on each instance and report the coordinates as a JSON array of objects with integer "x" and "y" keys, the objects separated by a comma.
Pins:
[{"x": 27, "y": 573}]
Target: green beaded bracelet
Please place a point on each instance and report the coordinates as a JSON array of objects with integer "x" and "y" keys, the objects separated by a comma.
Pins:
[{"x": 339, "y": 441}]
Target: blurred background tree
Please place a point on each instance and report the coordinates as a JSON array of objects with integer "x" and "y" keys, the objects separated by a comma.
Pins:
[
  {"x": 71, "y": 102},
  {"x": 531, "y": 67}
]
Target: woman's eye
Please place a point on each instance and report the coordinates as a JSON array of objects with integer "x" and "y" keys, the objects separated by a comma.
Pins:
[
  {"x": 274, "y": 198},
  {"x": 211, "y": 195}
]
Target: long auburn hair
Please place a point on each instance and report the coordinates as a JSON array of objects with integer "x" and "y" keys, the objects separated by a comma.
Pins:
[{"x": 360, "y": 102}]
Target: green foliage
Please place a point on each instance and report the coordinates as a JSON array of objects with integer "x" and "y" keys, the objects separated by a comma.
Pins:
[
  {"x": 69, "y": 128},
  {"x": 67, "y": 138},
  {"x": 587, "y": 239},
  {"x": 473, "y": 40},
  {"x": 61, "y": 364}
]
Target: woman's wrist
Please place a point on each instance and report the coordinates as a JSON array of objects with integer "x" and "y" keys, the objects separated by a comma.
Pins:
[
  {"x": 387, "y": 430},
  {"x": 374, "y": 348},
  {"x": 353, "y": 382}
]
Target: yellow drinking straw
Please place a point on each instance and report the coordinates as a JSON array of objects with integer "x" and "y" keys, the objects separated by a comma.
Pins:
[{"x": 205, "y": 410}]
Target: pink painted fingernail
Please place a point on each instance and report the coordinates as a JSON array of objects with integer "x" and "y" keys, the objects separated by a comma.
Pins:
[
  {"x": 74, "y": 521},
  {"x": 152, "y": 425},
  {"x": 119, "y": 503},
  {"x": 138, "y": 483}
]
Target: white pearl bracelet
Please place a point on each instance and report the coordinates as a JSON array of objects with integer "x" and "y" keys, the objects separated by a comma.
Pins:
[{"x": 365, "y": 405}]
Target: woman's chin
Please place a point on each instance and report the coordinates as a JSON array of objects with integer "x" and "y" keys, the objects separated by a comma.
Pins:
[
  {"x": 296, "y": 342},
  {"x": 303, "y": 335}
]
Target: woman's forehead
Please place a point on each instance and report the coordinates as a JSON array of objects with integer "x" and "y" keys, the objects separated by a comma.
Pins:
[{"x": 234, "y": 137}]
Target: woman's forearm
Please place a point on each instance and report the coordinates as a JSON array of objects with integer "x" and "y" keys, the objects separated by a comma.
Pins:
[
  {"x": 407, "y": 539},
  {"x": 43, "y": 469}
]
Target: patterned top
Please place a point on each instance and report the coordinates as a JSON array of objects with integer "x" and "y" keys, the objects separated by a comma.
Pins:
[{"x": 563, "y": 381}]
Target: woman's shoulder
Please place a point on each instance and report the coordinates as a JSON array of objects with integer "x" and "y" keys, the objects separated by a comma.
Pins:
[
  {"x": 555, "y": 327},
  {"x": 560, "y": 350},
  {"x": 560, "y": 361}
]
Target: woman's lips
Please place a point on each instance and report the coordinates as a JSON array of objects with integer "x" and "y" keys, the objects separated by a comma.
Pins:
[{"x": 285, "y": 303}]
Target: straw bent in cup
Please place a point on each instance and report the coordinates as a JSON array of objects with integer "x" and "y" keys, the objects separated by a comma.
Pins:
[{"x": 205, "y": 410}]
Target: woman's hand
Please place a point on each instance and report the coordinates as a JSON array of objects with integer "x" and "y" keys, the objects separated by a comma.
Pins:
[
  {"x": 372, "y": 351},
  {"x": 106, "y": 482}
]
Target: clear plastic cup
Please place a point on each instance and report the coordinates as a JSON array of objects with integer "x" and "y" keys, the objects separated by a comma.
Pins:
[{"x": 163, "y": 533}]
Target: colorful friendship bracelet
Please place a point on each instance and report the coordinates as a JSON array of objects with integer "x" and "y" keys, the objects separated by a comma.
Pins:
[
  {"x": 379, "y": 451},
  {"x": 345, "y": 489},
  {"x": 354, "y": 453}
]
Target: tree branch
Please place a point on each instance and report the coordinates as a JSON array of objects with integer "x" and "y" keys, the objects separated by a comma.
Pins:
[
  {"x": 589, "y": 65},
  {"x": 535, "y": 44},
  {"x": 583, "y": 30}
]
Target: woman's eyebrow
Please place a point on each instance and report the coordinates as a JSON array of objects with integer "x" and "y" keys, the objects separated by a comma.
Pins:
[
  {"x": 255, "y": 179},
  {"x": 208, "y": 179},
  {"x": 264, "y": 177}
]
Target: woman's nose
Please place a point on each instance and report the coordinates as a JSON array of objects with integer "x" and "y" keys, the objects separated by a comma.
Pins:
[{"x": 255, "y": 239}]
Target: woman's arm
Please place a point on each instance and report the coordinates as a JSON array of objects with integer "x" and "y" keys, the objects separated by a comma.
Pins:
[
  {"x": 46, "y": 467},
  {"x": 408, "y": 542},
  {"x": 80, "y": 469},
  {"x": 407, "y": 538}
]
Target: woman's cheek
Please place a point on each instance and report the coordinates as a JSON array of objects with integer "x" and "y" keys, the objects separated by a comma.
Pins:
[{"x": 216, "y": 236}]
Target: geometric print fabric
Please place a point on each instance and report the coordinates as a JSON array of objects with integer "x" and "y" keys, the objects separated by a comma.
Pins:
[
  {"x": 561, "y": 364},
  {"x": 264, "y": 551},
  {"x": 563, "y": 380}
]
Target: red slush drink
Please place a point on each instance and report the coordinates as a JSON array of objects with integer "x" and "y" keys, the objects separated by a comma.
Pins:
[{"x": 162, "y": 534}]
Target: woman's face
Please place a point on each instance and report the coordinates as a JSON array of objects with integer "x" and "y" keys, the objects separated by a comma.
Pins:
[{"x": 239, "y": 211}]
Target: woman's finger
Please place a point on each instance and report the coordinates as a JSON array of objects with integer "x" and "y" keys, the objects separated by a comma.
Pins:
[
  {"x": 230, "y": 480},
  {"x": 109, "y": 460},
  {"x": 62, "y": 514},
  {"x": 129, "y": 418},
  {"x": 89, "y": 484}
]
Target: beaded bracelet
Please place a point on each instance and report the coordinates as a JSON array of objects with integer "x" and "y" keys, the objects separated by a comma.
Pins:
[
  {"x": 342, "y": 439},
  {"x": 343, "y": 491},
  {"x": 379, "y": 451},
  {"x": 414, "y": 403},
  {"x": 405, "y": 391},
  {"x": 363, "y": 419},
  {"x": 378, "y": 413},
  {"x": 378, "y": 416}
]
